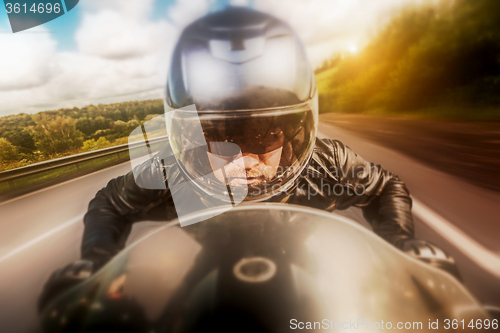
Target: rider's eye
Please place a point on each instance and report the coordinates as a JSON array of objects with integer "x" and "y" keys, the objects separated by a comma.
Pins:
[{"x": 228, "y": 157}]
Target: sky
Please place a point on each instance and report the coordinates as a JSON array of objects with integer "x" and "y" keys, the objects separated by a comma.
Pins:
[{"x": 107, "y": 51}]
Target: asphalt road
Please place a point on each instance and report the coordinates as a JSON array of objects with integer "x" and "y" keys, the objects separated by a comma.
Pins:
[
  {"x": 461, "y": 218},
  {"x": 41, "y": 232},
  {"x": 466, "y": 149}
]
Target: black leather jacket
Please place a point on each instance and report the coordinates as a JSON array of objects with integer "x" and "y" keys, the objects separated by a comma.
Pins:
[{"x": 335, "y": 178}]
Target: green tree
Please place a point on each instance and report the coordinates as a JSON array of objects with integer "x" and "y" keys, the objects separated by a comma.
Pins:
[
  {"x": 151, "y": 116},
  {"x": 84, "y": 125},
  {"x": 22, "y": 139},
  {"x": 56, "y": 134},
  {"x": 443, "y": 55},
  {"x": 92, "y": 144},
  {"x": 8, "y": 152}
]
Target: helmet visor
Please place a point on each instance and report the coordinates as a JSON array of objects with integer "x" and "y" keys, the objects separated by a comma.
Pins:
[{"x": 255, "y": 153}]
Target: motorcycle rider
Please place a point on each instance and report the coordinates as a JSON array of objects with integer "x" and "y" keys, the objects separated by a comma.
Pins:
[
  {"x": 243, "y": 66},
  {"x": 248, "y": 76}
]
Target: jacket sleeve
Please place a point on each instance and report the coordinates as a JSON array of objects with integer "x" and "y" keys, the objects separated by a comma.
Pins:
[
  {"x": 112, "y": 212},
  {"x": 383, "y": 197}
]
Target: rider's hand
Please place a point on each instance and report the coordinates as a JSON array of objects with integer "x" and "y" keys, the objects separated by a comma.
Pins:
[
  {"x": 431, "y": 254},
  {"x": 100, "y": 254},
  {"x": 63, "y": 279}
]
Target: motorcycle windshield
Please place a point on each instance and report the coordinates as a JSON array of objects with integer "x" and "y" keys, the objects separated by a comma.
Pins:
[{"x": 262, "y": 267}]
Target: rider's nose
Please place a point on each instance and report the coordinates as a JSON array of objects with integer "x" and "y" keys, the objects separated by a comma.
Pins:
[{"x": 248, "y": 161}]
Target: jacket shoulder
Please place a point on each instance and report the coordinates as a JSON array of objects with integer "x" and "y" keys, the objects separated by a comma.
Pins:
[
  {"x": 329, "y": 144},
  {"x": 331, "y": 149}
]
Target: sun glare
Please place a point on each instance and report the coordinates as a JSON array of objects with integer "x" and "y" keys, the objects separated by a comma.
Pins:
[{"x": 353, "y": 49}]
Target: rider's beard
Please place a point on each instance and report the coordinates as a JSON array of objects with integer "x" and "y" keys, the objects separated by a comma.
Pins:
[
  {"x": 258, "y": 175},
  {"x": 234, "y": 175}
]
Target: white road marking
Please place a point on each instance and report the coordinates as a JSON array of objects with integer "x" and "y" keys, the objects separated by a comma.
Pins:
[
  {"x": 60, "y": 227},
  {"x": 488, "y": 260},
  {"x": 485, "y": 258},
  {"x": 63, "y": 183},
  {"x": 40, "y": 238},
  {"x": 71, "y": 180}
]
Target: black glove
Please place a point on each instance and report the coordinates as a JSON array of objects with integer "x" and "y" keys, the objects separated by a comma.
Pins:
[
  {"x": 100, "y": 254},
  {"x": 63, "y": 279},
  {"x": 431, "y": 254}
]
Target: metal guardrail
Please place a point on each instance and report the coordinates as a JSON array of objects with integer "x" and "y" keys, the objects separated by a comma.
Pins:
[{"x": 29, "y": 178}]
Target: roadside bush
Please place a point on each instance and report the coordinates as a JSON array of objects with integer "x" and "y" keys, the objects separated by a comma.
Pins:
[
  {"x": 93, "y": 144},
  {"x": 8, "y": 152}
]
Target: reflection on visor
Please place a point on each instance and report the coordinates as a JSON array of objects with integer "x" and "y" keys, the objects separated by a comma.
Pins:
[
  {"x": 250, "y": 133},
  {"x": 183, "y": 186},
  {"x": 233, "y": 137},
  {"x": 257, "y": 136},
  {"x": 223, "y": 158}
]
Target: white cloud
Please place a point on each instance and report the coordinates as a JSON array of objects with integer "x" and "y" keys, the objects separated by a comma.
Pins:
[
  {"x": 240, "y": 2},
  {"x": 123, "y": 55},
  {"x": 84, "y": 79},
  {"x": 108, "y": 34},
  {"x": 329, "y": 26},
  {"x": 185, "y": 12},
  {"x": 128, "y": 8},
  {"x": 27, "y": 60}
]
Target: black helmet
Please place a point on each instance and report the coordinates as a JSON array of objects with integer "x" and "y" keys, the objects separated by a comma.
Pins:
[{"x": 254, "y": 94}]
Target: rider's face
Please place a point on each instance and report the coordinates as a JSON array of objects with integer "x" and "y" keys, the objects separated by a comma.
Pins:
[{"x": 246, "y": 168}]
